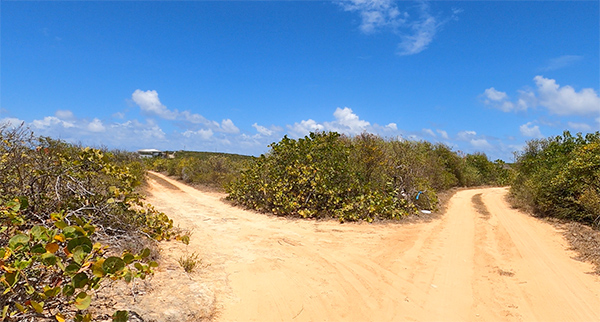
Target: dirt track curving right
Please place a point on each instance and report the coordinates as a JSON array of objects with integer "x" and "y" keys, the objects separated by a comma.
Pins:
[{"x": 465, "y": 266}]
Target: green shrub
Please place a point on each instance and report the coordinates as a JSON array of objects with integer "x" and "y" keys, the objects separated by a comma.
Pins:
[
  {"x": 359, "y": 178},
  {"x": 560, "y": 177},
  {"x": 53, "y": 269},
  {"x": 210, "y": 169},
  {"x": 57, "y": 201}
]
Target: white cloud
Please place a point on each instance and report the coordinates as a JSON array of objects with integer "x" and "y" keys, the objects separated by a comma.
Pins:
[
  {"x": 375, "y": 14},
  {"x": 119, "y": 115},
  {"x": 429, "y": 132},
  {"x": 498, "y": 99},
  {"x": 561, "y": 62},
  {"x": 305, "y": 127},
  {"x": 51, "y": 121},
  {"x": 494, "y": 95},
  {"x": 346, "y": 122},
  {"x": 466, "y": 135},
  {"x": 443, "y": 134},
  {"x": 64, "y": 115},
  {"x": 558, "y": 100},
  {"x": 422, "y": 35},
  {"x": 148, "y": 101},
  {"x": 203, "y": 134},
  {"x": 530, "y": 130},
  {"x": 227, "y": 126},
  {"x": 415, "y": 33},
  {"x": 11, "y": 122},
  {"x": 96, "y": 126},
  {"x": 262, "y": 130},
  {"x": 565, "y": 100},
  {"x": 196, "y": 119},
  {"x": 480, "y": 143},
  {"x": 526, "y": 100},
  {"x": 135, "y": 131},
  {"x": 579, "y": 126}
]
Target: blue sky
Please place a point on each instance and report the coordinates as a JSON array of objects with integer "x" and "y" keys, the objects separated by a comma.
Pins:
[{"x": 235, "y": 76}]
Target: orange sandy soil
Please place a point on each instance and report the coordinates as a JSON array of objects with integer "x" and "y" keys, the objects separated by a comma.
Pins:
[{"x": 464, "y": 266}]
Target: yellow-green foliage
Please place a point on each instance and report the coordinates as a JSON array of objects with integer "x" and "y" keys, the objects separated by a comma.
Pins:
[
  {"x": 56, "y": 201},
  {"x": 560, "y": 177},
  {"x": 359, "y": 178},
  {"x": 53, "y": 269},
  {"x": 189, "y": 262},
  {"x": 211, "y": 169}
]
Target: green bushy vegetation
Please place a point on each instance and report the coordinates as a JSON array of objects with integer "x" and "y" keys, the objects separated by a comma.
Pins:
[
  {"x": 204, "y": 168},
  {"x": 59, "y": 203},
  {"x": 560, "y": 177},
  {"x": 357, "y": 178}
]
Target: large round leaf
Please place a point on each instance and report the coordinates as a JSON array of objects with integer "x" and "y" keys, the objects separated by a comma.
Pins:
[
  {"x": 17, "y": 240},
  {"x": 82, "y": 301},
  {"x": 113, "y": 264}
]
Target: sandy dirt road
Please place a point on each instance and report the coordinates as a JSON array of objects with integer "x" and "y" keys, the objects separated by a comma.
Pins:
[{"x": 465, "y": 266}]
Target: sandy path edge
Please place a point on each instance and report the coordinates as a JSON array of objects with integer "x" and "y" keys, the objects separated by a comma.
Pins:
[{"x": 462, "y": 267}]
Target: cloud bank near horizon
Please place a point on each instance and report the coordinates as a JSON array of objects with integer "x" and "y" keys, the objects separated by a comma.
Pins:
[{"x": 193, "y": 131}]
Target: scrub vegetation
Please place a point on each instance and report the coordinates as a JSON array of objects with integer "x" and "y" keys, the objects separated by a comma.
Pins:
[
  {"x": 560, "y": 177},
  {"x": 70, "y": 218},
  {"x": 214, "y": 170},
  {"x": 366, "y": 177}
]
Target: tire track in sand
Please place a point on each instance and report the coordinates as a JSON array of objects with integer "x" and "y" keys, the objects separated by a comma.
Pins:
[{"x": 461, "y": 267}]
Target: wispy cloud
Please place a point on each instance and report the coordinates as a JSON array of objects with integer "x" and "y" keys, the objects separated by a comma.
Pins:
[
  {"x": 416, "y": 31},
  {"x": 376, "y": 14},
  {"x": 466, "y": 135},
  {"x": 579, "y": 126},
  {"x": 423, "y": 30},
  {"x": 443, "y": 134},
  {"x": 262, "y": 130},
  {"x": 480, "y": 143},
  {"x": 561, "y": 62},
  {"x": 429, "y": 132}
]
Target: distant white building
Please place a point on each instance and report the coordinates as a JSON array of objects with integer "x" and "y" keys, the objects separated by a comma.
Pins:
[{"x": 149, "y": 153}]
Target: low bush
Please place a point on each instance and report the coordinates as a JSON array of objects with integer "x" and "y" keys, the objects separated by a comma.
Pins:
[
  {"x": 354, "y": 178},
  {"x": 215, "y": 170},
  {"x": 560, "y": 177},
  {"x": 59, "y": 205}
]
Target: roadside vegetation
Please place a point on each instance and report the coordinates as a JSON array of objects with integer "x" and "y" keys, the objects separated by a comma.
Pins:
[
  {"x": 214, "y": 170},
  {"x": 560, "y": 177},
  {"x": 70, "y": 220},
  {"x": 366, "y": 177}
]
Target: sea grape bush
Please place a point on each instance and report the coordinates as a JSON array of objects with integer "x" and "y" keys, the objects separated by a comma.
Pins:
[
  {"x": 59, "y": 204},
  {"x": 95, "y": 185},
  {"x": 54, "y": 271},
  {"x": 560, "y": 177},
  {"x": 365, "y": 177}
]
